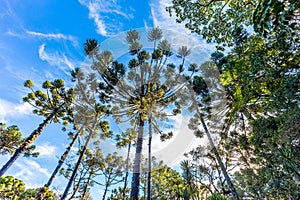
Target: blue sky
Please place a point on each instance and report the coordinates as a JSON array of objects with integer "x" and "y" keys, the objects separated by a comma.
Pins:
[{"x": 41, "y": 40}]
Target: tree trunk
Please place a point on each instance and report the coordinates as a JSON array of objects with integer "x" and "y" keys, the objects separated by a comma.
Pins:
[
  {"x": 72, "y": 178},
  {"x": 228, "y": 180},
  {"x": 29, "y": 140},
  {"x": 149, "y": 161},
  {"x": 76, "y": 186},
  {"x": 127, "y": 173},
  {"x": 87, "y": 184},
  {"x": 60, "y": 163},
  {"x": 106, "y": 187},
  {"x": 145, "y": 189},
  {"x": 134, "y": 194}
]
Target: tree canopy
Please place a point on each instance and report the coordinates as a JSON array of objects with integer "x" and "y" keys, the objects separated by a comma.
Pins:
[{"x": 245, "y": 100}]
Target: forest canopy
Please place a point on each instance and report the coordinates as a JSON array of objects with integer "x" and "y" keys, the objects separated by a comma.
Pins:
[{"x": 244, "y": 100}]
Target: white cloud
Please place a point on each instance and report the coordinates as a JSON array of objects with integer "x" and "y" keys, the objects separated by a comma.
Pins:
[
  {"x": 10, "y": 110},
  {"x": 23, "y": 109},
  {"x": 31, "y": 172},
  {"x": 46, "y": 150},
  {"x": 106, "y": 26},
  {"x": 179, "y": 34},
  {"x": 161, "y": 17},
  {"x": 6, "y": 10},
  {"x": 49, "y": 36},
  {"x": 15, "y": 34},
  {"x": 56, "y": 59},
  {"x": 172, "y": 150},
  {"x": 55, "y": 36},
  {"x": 28, "y": 170}
]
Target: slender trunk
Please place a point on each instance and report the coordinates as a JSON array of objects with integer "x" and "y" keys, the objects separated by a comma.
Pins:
[
  {"x": 62, "y": 160},
  {"x": 87, "y": 184},
  {"x": 60, "y": 163},
  {"x": 29, "y": 140},
  {"x": 106, "y": 187},
  {"x": 149, "y": 161},
  {"x": 76, "y": 186},
  {"x": 228, "y": 180},
  {"x": 76, "y": 167},
  {"x": 105, "y": 191},
  {"x": 127, "y": 173},
  {"x": 134, "y": 194},
  {"x": 145, "y": 189}
]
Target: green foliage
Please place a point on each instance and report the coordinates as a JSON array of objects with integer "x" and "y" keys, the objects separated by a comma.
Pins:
[
  {"x": 225, "y": 21},
  {"x": 215, "y": 20},
  {"x": 216, "y": 196},
  {"x": 111, "y": 167},
  {"x": 260, "y": 75},
  {"x": 14, "y": 189},
  {"x": 275, "y": 156},
  {"x": 271, "y": 15},
  {"x": 11, "y": 139},
  {"x": 142, "y": 90},
  {"x": 166, "y": 183},
  {"x": 11, "y": 188},
  {"x": 199, "y": 86},
  {"x": 132, "y": 36},
  {"x": 116, "y": 194},
  {"x": 28, "y": 84},
  {"x": 91, "y": 47},
  {"x": 191, "y": 190},
  {"x": 89, "y": 113},
  {"x": 126, "y": 138},
  {"x": 138, "y": 90},
  {"x": 54, "y": 105},
  {"x": 30, "y": 194},
  {"x": 55, "y": 99},
  {"x": 155, "y": 34}
]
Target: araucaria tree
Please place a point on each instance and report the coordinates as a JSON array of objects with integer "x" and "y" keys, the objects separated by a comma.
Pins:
[
  {"x": 54, "y": 104},
  {"x": 126, "y": 139},
  {"x": 140, "y": 91},
  {"x": 89, "y": 115},
  {"x": 61, "y": 161},
  {"x": 112, "y": 171},
  {"x": 11, "y": 139}
]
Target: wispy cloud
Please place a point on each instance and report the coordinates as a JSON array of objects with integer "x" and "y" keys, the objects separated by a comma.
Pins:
[
  {"x": 180, "y": 34},
  {"x": 53, "y": 36},
  {"x": 23, "y": 34},
  {"x": 162, "y": 19},
  {"x": 46, "y": 150},
  {"x": 98, "y": 9},
  {"x": 6, "y": 10},
  {"x": 9, "y": 110},
  {"x": 15, "y": 34},
  {"x": 56, "y": 59}
]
